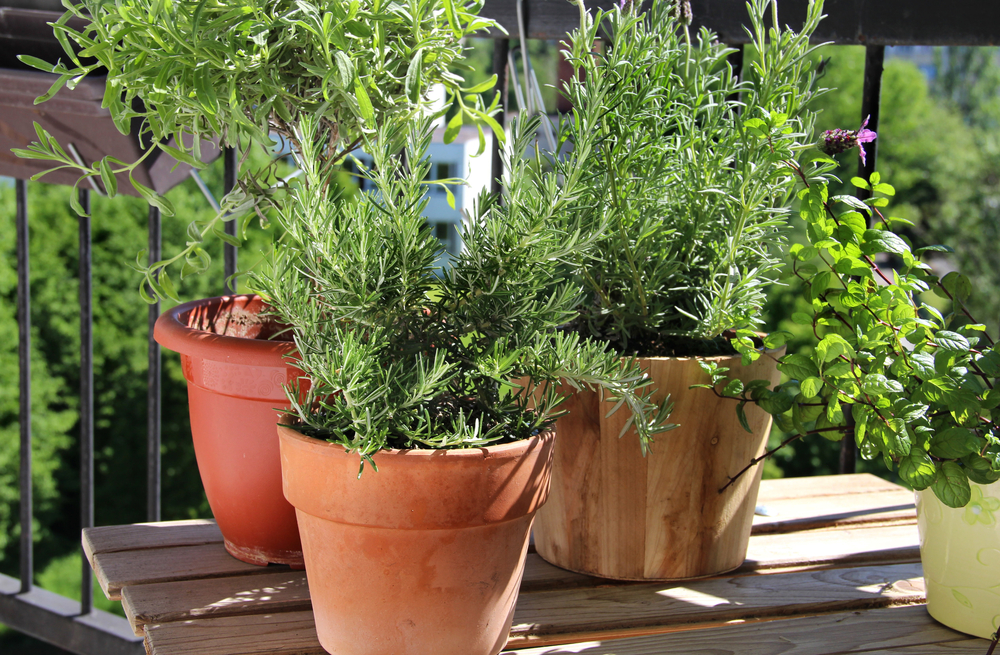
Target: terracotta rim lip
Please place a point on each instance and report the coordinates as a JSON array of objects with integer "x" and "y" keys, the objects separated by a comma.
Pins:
[
  {"x": 514, "y": 449},
  {"x": 173, "y": 333}
]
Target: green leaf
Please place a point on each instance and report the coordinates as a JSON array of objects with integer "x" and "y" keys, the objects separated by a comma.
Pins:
[
  {"x": 180, "y": 155},
  {"x": 876, "y": 241},
  {"x": 957, "y": 285},
  {"x": 810, "y": 387},
  {"x": 453, "y": 128},
  {"x": 413, "y": 76},
  {"x": 74, "y": 200},
  {"x": 917, "y": 469},
  {"x": 954, "y": 443},
  {"x": 855, "y": 221},
  {"x": 801, "y": 318},
  {"x": 167, "y": 286},
  {"x": 923, "y": 365},
  {"x": 776, "y": 339},
  {"x": 364, "y": 102},
  {"x": 108, "y": 178},
  {"x": 951, "y": 485},
  {"x": 734, "y": 388},
  {"x": 951, "y": 341},
  {"x": 152, "y": 198},
  {"x": 798, "y": 367},
  {"x": 228, "y": 238},
  {"x": 860, "y": 183},
  {"x": 979, "y": 469},
  {"x": 877, "y": 384},
  {"x": 484, "y": 86},
  {"x": 742, "y": 416},
  {"x": 833, "y": 346},
  {"x": 834, "y": 434}
]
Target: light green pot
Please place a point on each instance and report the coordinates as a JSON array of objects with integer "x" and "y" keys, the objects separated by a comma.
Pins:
[{"x": 960, "y": 552}]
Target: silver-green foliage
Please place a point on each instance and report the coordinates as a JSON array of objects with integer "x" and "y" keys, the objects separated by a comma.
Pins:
[
  {"x": 688, "y": 169},
  {"x": 400, "y": 354},
  {"x": 188, "y": 70}
]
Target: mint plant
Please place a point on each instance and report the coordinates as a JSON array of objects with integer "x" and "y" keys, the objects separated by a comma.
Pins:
[
  {"x": 906, "y": 381},
  {"x": 688, "y": 179},
  {"x": 188, "y": 70},
  {"x": 401, "y": 355}
]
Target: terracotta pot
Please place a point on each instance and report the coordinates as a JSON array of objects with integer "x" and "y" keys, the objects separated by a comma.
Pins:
[
  {"x": 616, "y": 514},
  {"x": 235, "y": 376},
  {"x": 423, "y": 556},
  {"x": 960, "y": 553}
]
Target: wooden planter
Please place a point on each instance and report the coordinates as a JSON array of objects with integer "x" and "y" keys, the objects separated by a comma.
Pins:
[{"x": 616, "y": 514}]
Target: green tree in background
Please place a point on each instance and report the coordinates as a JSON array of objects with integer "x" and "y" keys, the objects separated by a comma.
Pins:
[{"x": 120, "y": 369}]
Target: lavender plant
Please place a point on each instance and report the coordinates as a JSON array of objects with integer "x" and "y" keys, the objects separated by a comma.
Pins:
[
  {"x": 688, "y": 171},
  {"x": 188, "y": 70},
  {"x": 906, "y": 381},
  {"x": 398, "y": 355}
]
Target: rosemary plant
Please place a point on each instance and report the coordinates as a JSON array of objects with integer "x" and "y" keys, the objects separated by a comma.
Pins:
[
  {"x": 188, "y": 70},
  {"x": 688, "y": 171},
  {"x": 398, "y": 355}
]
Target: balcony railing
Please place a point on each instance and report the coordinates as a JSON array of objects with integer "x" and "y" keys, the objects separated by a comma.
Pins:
[{"x": 80, "y": 628}]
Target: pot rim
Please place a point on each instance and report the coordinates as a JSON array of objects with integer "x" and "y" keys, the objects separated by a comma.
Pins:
[
  {"x": 173, "y": 333},
  {"x": 508, "y": 449},
  {"x": 712, "y": 358}
]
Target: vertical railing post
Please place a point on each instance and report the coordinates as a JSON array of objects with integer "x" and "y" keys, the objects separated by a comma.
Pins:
[
  {"x": 24, "y": 382},
  {"x": 872, "y": 90},
  {"x": 153, "y": 388},
  {"x": 230, "y": 262},
  {"x": 86, "y": 396},
  {"x": 501, "y": 50}
]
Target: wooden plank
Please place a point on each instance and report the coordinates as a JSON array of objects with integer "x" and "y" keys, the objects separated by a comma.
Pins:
[
  {"x": 563, "y": 615},
  {"x": 823, "y": 485},
  {"x": 836, "y": 547},
  {"x": 890, "y": 544},
  {"x": 288, "y": 633},
  {"x": 138, "y": 536},
  {"x": 191, "y": 599},
  {"x": 967, "y": 646},
  {"x": 809, "y": 513},
  {"x": 123, "y": 568},
  {"x": 898, "y": 630}
]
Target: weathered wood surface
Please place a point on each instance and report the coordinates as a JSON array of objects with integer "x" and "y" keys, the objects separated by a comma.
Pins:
[
  {"x": 187, "y": 595},
  {"x": 906, "y": 630},
  {"x": 560, "y": 616},
  {"x": 139, "y": 536},
  {"x": 122, "y": 568}
]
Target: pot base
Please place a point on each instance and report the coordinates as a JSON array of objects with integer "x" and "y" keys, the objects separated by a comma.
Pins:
[{"x": 263, "y": 557}]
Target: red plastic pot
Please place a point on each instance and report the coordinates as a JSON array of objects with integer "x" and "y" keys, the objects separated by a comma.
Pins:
[
  {"x": 235, "y": 374},
  {"x": 423, "y": 556}
]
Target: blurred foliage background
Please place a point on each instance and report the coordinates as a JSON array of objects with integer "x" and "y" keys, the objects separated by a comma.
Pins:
[{"x": 939, "y": 145}]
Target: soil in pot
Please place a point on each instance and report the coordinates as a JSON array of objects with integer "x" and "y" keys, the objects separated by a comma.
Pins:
[
  {"x": 616, "y": 514},
  {"x": 235, "y": 370},
  {"x": 423, "y": 556},
  {"x": 960, "y": 553}
]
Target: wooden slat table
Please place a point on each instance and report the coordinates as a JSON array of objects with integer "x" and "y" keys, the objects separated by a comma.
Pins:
[{"x": 834, "y": 568}]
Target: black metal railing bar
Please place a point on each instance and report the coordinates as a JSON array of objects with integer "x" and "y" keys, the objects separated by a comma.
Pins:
[
  {"x": 86, "y": 396},
  {"x": 24, "y": 381},
  {"x": 153, "y": 392},
  {"x": 229, "y": 251}
]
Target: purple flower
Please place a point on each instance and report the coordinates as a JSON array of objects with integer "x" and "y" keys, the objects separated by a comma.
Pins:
[{"x": 834, "y": 142}]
